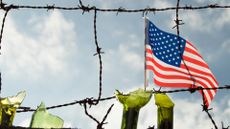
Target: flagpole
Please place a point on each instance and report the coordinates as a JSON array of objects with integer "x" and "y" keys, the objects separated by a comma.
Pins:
[{"x": 145, "y": 42}]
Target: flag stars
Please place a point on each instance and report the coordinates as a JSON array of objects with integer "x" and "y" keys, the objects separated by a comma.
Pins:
[{"x": 166, "y": 47}]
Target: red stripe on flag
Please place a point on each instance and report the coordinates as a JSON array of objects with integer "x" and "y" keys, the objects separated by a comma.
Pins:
[{"x": 173, "y": 76}]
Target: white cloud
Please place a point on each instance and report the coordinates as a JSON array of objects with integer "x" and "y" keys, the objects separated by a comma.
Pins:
[
  {"x": 25, "y": 123},
  {"x": 207, "y": 21},
  {"x": 162, "y": 3},
  {"x": 130, "y": 58},
  {"x": 47, "y": 50},
  {"x": 125, "y": 55},
  {"x": 220, "y": 53},
  {"x": 194, "y": 20}
]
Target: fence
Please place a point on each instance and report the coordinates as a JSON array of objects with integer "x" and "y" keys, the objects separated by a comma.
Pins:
[{"x": 88, "y": 102}]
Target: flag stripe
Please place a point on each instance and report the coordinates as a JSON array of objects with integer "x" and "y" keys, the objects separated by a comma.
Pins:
[
  {"x": 180, "y": 75},
  {"x": 196, "y": 71},
  {"x": 193, "y": 56},
  {"x": 188, "y": 49},
  {"x": 174, "y": 74},
  {"x": 151, "y": 61},
  {"x": 196, "y": 62},
  {"x": 176, "y": 62},
  {"x": 181, "y": 83}
]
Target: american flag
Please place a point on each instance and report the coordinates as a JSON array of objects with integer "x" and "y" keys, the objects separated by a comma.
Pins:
[{"x": 176, "y": 62}]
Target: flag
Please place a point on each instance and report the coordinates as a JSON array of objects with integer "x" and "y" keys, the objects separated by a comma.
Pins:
[{"x": 176, "y": 62}]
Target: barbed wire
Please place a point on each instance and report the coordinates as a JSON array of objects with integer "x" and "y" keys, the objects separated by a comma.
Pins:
[
  {"x": 87, "y": 8},
  {"x": 90, "y": 101}
]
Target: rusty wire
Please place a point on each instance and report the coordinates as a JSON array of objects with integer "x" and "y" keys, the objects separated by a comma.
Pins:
[
  {"x": 91, "y": 101},
  {"x": 87, "y": 8},
  {"x": 3, "y": 24}
]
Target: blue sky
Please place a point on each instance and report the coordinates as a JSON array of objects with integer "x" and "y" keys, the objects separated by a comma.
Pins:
[{"x": 50, "y": 55}]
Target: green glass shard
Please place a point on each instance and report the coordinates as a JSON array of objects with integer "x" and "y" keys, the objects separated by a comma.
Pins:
[
  {"x": 164, "y": 111},
  {"x": 132, "y": 103},
  {"x": 42, "y": 119},
  {"x": 135, "y": 99},
  {"x": 8, "y": 108},
  {"x": 163, "y": 100}
]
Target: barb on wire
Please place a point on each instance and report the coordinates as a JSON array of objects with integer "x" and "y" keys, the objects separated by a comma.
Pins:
[
  {"x": 104, "y": 118},
  {"x": 205, "y": 108},
  {"x": 120, "y": 9},
  {"x": 90, "y": 116},
  {"x": 99, "y": 124},
  {"x": 84, "y": 8},
  {"x": 204, "y": 105},
  {"x": 210, "y": 117}
]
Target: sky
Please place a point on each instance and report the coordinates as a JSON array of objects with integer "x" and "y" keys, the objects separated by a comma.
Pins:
[{"x": 49, "y": 54}]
